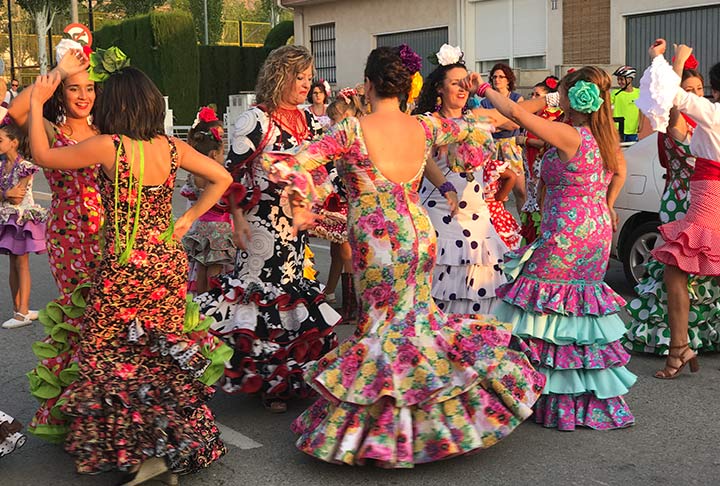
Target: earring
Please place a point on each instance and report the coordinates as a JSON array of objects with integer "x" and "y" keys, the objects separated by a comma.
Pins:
[
  {"x": 438, "y": 103},
  {"x": 90, "y": 120},
  {"x": 61, "y": 119}
]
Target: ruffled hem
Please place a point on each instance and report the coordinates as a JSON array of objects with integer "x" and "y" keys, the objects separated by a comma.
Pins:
[
  {"x": 467, "y": 307},
  {"x": 566, "y": 412},
  {"x": 691, "y": 247},
  {"x": 470, "y": 282},
  {"x": 486, "y": 252},
  {"x": 572, "y": 356},
  {"x": 275, "y": 336},
  {"x": 19, "y": 239},
  {"x": 19, "y": 217},
  {"x": 210, "y": 243},
  {"x": 395, "y": 436},
  {"x": 658, "y": 87},
  {"x": 604, "y": 383},
  {"x": 559, "y": 329}
]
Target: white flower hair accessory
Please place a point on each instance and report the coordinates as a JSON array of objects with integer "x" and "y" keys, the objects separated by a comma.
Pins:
[
  {"x": 65, "y": 45},
  {"x": 448, "y": 55}
]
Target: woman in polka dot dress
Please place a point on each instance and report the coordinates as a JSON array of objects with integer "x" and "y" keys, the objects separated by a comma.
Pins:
[{"x": 648, "y": 330}]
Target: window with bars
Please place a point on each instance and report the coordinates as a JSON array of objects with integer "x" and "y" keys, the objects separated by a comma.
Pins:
[{"x": 322, "y": 44}]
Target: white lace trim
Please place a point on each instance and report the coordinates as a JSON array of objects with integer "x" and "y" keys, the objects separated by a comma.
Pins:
[{"x": 658, "y": 87}]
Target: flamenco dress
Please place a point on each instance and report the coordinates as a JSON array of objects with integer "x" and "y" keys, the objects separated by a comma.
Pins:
[
  {"x": 11, "y": 437},
  {"x": 559, "y": 305},
  {"x": 274, "y": 318},
  {"x": 147, "y": 362},
  {"x": 22, "y": 226},
  {"x": 412, "y": 385},
  {"x": 469, "y": 250},
  {"x": 504, "y": 222},
  {"x": 648, "y": 330},
  {"x": 73, "y": 242}
]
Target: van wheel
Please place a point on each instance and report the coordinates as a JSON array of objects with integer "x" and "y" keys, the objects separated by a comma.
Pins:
[{"x": 637, "y": 250}]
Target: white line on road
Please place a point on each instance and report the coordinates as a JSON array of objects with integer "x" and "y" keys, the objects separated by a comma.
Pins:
[
  {"x": 43, "y": 196},
  {"x": 233, "y": 437},
  {"x": 315, "y": 245}
]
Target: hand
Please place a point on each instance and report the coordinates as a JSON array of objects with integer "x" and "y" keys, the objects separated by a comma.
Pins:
[
  {"x": 44, "y": 87},
  {"x": 16, "y": 194},
  {"x": 74, "y": 61},
  {"x": 182, "y": 225},
  {"x": 452, "y": 200},
  {"x": 682, "y": 53},
  {"x": 303, "y": 219},
  {"x": 241, "y": 232},
  {"x": 613, "y": 219},
  {"x": 657, "y": 48},
  {"x": 472, "y": 82}
]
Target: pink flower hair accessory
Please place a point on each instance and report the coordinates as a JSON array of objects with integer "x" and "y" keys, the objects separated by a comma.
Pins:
[{"x": 347, "y": 94}]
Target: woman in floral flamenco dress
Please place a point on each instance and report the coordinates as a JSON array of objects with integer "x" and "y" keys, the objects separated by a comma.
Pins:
[
  {"x": 557, "y": 300},
  {"x": 648, "y": 330},
  {"x": 412, "y": 385},
  {"x": 146, "y": 361},
  {"x": 73, "y": 236},
  {"x": 273, "y": 316}
]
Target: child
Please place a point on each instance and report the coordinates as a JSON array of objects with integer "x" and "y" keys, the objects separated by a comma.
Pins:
[
  {"x": 333, "y": 226},
  {"x": 10, "y": 436},
  {"x": 209, "y": 243},
  {"x": 22, "y": 222},
  {"x": 499, "y": 179}
]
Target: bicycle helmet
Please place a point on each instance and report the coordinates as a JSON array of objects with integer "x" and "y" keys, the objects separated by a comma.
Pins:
[{"x": 625, "y": 72}]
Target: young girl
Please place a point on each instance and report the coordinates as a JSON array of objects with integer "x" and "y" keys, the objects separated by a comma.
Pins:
[
  {"x": 333, "y": 226},
  {"x": 209, "y": 243},
  {"x": 146, "y": 366},
  {"x": 22, "y": 222},
  {"x": 499, "y": 179}
]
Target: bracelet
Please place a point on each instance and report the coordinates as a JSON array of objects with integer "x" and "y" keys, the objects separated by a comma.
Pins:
[
  {"x": 482, "y": 89},
  {"x": 552, "y": 99},
  {"x": 446, "y": 187}
]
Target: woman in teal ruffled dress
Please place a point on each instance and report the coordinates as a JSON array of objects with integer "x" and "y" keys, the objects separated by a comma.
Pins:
[{"x": 557, "y": 301}]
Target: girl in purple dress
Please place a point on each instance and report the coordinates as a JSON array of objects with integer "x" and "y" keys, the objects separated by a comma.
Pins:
[{"x": 557, "y": 300}]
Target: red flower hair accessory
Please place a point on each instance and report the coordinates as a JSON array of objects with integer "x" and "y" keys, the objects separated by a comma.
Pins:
[
  {"x": 206, "y": 114},
  {"x": 87, "y": 50},
  {"x": 216, "y": 132},
  {"x": 551, "y": 82},
  {"x": 347, "y": 94},
  {"x": 691, "y": 63}
]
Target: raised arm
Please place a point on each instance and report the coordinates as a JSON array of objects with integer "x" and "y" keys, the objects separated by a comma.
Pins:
[
  {"x": 95, "y": 150},
  {"x": 217, "y": 181},
  {"x": 474, "y": 138}
]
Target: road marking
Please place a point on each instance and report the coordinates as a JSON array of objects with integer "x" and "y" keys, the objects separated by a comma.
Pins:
[
  {"x": 233, "y": 437},
  {"x": 316, "y": 245},
  {"x": 43, "y": 196}
]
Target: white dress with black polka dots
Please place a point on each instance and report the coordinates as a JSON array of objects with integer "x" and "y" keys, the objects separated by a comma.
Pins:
[{"x": 469, "y": 250}]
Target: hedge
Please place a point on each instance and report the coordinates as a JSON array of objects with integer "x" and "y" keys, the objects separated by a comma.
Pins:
[
  {"x": 279, "y": 35},
  {"x": 164, "y": 46},
  {"x": 227, "y": 70}
]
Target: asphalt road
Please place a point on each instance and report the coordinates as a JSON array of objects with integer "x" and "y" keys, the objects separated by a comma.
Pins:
[{"x": 675, "y": 440}]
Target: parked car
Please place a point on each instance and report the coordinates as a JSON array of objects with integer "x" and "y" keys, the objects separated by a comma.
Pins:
[{"x": 637, "y": 207}]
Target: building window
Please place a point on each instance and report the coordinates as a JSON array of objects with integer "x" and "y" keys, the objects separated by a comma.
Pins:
[
  {"x": 322, "y": 44},
  {"x": 485, "y": 66},
  {"x": 425, "y": 42},
  {"x": 530, "y": 62}
]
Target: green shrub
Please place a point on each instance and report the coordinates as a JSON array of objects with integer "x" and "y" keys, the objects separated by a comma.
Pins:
[{"x": 279, "y": 35}]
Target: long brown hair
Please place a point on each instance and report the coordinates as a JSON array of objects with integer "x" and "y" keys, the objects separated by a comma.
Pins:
[{"x": 602, "y": 125}]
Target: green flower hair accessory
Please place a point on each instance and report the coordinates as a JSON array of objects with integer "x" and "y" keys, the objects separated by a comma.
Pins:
[
  {"x": 585, "y": 97},
  {"x": 104, "y": 62}
]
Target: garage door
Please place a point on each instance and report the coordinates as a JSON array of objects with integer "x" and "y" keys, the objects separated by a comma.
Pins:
[
  {"x": 696, "y": 27},
  {"x": 424, "y": 42}
]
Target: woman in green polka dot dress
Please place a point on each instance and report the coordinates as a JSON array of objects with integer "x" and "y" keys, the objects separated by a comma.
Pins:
[{"x": 648, "y": 329}]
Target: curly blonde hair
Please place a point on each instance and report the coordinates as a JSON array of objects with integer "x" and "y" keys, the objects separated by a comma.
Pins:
[{"x": 280, "y": 68}]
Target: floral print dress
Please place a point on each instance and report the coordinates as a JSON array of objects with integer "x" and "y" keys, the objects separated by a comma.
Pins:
[
  {"x": 648, "y": 330},
  {"x": 412, "y": 385},
  {"x": 275, "y": 319},
  {"x": 73, "y": 246},
  {"x": 146, "y": 360},
  {"x": 558, "y": 303}
]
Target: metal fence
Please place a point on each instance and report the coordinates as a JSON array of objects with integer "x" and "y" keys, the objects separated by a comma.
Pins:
[{"x": 245, "y": 34}]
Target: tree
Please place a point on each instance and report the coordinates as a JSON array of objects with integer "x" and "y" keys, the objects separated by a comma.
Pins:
[
  {"x": 138, "y": 7},
  {"x": 43, "y": 12},
  {"x": 214, "y": 12}
]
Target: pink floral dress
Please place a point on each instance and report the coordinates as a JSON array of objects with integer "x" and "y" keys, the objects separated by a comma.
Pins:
[
  {"x": 412, "y": 385},
  {"x": 73, "y": 247},
  {"x": 559, "y": 304}
]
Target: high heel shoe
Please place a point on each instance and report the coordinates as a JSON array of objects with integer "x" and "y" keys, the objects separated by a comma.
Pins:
[
  {"x": 684, "y": 356},
  {"x": 151, "y": 468}
]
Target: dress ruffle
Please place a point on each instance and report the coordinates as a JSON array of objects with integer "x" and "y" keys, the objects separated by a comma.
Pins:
[
  {"x": 658, "y": 86},
  {"x": 275, "y": 333},
  {"x": 690, "y": 246},
  {"x": 468, "y": 282},
  {"x": 210, "y": 243},
  {"x": 573, "y": 356},
  {"x": 19, "y": 238},
  {"x": 466, "y": 392},
  {"x": 567, "y": 412},
  {"x": 648, "y": 330},
  {"x": 603, "y": 383}
]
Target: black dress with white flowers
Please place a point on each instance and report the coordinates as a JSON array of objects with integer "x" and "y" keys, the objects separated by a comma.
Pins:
[{"x": 276, "y": 320}]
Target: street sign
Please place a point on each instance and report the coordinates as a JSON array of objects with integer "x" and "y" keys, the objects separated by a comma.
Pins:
[{"x": 79, "y": 33}]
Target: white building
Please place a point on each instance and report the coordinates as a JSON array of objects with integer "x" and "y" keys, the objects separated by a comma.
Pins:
[{"x": 536, "y": 37}]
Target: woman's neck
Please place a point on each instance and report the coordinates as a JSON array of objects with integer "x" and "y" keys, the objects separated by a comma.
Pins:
[
  {"x": 78, "y": 125},
  {"x": 384, "y": 105},
  {"x": 11, "y": 156},
  {"x": 503, "y": 91},
  {"x": 283, "y": 105},
  {"x": 318, "y": 108},
  {"x": 448, "y": 112}
]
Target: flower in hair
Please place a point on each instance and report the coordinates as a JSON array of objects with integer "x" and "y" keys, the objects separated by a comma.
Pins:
[
  {"x": 347, "y": 94},
  {"x": 585, "y": 97},
  {"x": 326, "y": 85},
  {"x": 551, "y": 82},
  {"x": 410, "y": 59},
  {"x": 448, "y": 55},
  {"x": 105, "y": 62},
  {"x": 216, "y": 133},
  {"x": 205, "y": 114},
  {"x": 691, "y": 63},
  {"x": 415, "y": 87}
]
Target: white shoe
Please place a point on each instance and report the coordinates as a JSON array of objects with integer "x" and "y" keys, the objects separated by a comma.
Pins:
[
  {"x": 330, "y": 298},
  {"x": 32, "y": 315},
  {"x": 14, "y": 323}
]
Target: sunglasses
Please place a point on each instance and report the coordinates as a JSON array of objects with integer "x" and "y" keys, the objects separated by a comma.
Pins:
[
  {"x": 499, "y": 76},
  {"x": 15, "y": 85}
]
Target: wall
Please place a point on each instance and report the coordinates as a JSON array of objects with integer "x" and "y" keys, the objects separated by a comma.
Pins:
[{"x": 358, "y": 21}]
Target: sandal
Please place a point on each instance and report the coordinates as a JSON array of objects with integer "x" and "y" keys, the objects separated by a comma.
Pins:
[
  {"x": 683, "y": 357},
  {"x": 274, "y": 405}
]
